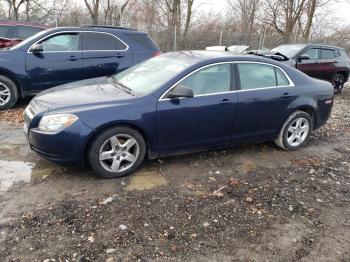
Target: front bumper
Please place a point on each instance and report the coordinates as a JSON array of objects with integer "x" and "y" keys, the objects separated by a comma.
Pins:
[{"x": 65, "y": 148}]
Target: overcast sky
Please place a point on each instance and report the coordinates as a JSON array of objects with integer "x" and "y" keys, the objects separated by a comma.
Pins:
[{"x": 340, "y": 8}]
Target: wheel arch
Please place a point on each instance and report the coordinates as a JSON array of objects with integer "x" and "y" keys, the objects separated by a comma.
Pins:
[
  {"x": 12, "y": 76},
  {"x": 111, "y": 125},
  {"x": 344, "y": 73}
]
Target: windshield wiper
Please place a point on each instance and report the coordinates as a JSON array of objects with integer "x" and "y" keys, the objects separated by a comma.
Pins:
[{"x": 124, "y": 87}]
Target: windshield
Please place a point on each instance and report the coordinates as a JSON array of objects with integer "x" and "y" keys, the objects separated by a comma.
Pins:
[
  {"x": 288, "y": 50},
  {"x": 150, "y": 75},
  {"x": 28, "y": 40}
]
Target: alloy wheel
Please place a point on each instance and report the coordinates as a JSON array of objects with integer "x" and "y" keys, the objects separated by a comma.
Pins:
[
  {"x": 119, "y": 153},
  {"x": 5, "y": 94},
  {"x": 298, "y": 131}
]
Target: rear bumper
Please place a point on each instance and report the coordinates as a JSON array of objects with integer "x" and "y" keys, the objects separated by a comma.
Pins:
[
  {"x": 325, "y": 109},
  {"x": 65, "y": 148}
]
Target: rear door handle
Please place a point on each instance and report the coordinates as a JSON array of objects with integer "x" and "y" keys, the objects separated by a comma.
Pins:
[
  {"x": 119, "y": 55},
  {"x": 225, "y": 101},
  {"x": 72, "y": 58}
]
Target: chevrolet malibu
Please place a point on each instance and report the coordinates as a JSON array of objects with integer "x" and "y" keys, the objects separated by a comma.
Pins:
[{"x": 176, "y": 103}]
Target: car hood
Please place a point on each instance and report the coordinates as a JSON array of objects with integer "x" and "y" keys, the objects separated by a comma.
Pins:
[{"x": 82, "y": 93}]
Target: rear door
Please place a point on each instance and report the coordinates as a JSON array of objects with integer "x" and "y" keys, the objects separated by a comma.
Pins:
[
  {"x": 264, "y": 96},
  {"x": 311, "y": 65},
  {"x": 104, "y": 54},
  {"x": 58, "y": 63},
  {"x": 327, "y": 63}
]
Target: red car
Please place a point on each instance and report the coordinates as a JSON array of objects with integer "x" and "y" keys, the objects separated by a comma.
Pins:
[{"x": 12, "y": 33}]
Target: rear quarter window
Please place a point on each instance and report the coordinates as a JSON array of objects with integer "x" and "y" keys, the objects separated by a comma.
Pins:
[
  {"x": 143, "y": 40},
  {"x": 101, "y": 41}
]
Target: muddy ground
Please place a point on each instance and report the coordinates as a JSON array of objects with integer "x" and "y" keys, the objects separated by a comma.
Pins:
[{"x": 250, "y": 203}]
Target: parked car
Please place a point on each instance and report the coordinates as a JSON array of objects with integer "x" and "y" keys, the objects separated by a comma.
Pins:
[
  {"x": 173, "y": 103},
  {"x": 12, "y": 33},
  {"x": 62, "y": 55},
  {"x": 325, "y": 62}
]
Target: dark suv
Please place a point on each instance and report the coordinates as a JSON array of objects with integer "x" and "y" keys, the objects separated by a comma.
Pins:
[
  {"x": 62, "y": 55},
  {"x": 325, "y": 62},
  {"x": 12, "y": 33}
]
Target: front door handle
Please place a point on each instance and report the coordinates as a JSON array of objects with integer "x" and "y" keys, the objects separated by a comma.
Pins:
[
  {"x": 225, "y": 101},
  {"x": 72, "y": 58}
]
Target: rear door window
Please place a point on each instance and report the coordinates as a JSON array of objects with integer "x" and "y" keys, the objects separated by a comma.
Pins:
[
  {"x": 24, "y": 32},
  {"x": 255, "y": 76},
  {"x": 101, "y": 42},
  {"x": 327, "y": 53}
]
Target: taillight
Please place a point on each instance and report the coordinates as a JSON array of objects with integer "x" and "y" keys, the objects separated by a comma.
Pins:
[
  {"x": 157, "y": 53},
  {"x": 327, "y": 102}
]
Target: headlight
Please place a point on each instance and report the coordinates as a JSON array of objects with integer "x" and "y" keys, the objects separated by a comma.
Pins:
[{"x": 56, "y": 123}]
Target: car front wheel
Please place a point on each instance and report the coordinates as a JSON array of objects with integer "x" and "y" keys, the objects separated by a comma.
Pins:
[
  {"x": 295, "y": 131},
  {"x": 117, "y": 152}
]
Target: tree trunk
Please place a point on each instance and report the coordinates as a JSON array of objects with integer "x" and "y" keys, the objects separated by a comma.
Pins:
[
  {"x": 188, "y": 17},
  {"x": 310, "y": 15}
]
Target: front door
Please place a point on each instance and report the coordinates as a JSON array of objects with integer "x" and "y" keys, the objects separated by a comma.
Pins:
[
  {"x": 104, "y": 54},
  {"x": 264, "y": 96},
  {"x": 58, "y": 63},
  {"x": 204, "y": 120},
  {"x": 310, "y": 66}
]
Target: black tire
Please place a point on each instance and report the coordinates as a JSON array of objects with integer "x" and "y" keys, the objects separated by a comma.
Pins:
[
  {"x": 7, "y": 84},
  {"x": 102, "y": 140},
  {"x": 284, "y": 135},
  {"x": 338, "y": 83}
]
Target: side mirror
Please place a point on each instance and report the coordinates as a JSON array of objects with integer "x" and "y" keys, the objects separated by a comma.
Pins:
[
  {"x": 180, "y": 91},
  {"x": 303, "y": 57},
  {"x": 37, "y": 48}
]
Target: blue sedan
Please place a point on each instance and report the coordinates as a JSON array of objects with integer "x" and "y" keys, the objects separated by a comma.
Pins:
[{"x": 175, "y": 103}]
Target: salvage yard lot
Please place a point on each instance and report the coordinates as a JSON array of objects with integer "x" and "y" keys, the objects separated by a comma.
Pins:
[{"x": 250, "y": 203}]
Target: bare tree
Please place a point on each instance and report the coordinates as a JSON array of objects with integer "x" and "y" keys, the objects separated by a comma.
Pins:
[
  {"x": 283, "y": 15},
  {"x": 93, "y": 9},
  {"x": 247, "y": 10},
  {"x": 15, "y": 5}
]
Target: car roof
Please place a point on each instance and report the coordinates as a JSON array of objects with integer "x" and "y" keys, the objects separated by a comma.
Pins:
[
  {"x": 107, "y": 29},
  {"x": 220, "y": 56},
  {"x": 14, "y": 23},
  {"x": 313, "y": 45}
]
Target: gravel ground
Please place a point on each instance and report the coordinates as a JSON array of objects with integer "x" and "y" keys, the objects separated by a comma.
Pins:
[{"x": 250, "y": 203}]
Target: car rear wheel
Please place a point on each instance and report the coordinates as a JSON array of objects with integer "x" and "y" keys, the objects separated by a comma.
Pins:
[
  {"x": 8, "y": 93},
  {"x": 338, "y": 83},
  {"x": 117, "y": 152},
  {"x": 295, "y": 131}
]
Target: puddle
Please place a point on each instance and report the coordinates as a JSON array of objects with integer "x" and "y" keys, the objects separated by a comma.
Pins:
[
  {"x": 12, "y": 172},
  {"x": 146, "y": 181},
  {"x": 13, "y": 150}
]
